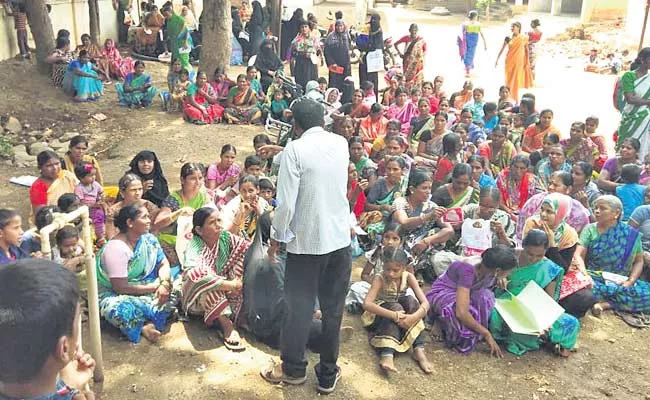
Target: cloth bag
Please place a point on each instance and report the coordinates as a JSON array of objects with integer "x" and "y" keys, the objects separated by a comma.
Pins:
[{"x": 476, "y": 236}]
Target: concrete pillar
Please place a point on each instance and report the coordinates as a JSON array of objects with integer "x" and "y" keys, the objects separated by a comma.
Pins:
[
  {"x": 519, "y": 2},
  {"x": 556, "y": 7}
]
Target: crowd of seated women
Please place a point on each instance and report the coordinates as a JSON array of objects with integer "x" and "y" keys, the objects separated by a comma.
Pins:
[{"x": 551, "y": 206}]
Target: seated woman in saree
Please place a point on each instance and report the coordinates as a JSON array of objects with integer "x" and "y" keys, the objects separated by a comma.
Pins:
[
  {"x": 452, "y": 154},
  {"x": 241, "y": 107},
  {"x": 584, "y": 189},
  {"x": 52, "y": 181},
  {"x": 498, "y": 151},
  {"x": 422, "y": 121},
  {"x": 379, "y": 202},
  {"x": 578, "y": 215},
  {"x": 201, "y": 105},
  {"x": 402, "y": 109},
  {"x": 268, "y": 63},
  {"x": 100, "y": 62},
  {"x": 612, "y": 246},
  {"x": 579, "y": 146},
  {"x": 146, "y": 36},
  {"x": 192, "y": 196},
  {"x": 640, "y": 219},
  {"x": 146, "y": 165},
  {"x": 429, "y": 137},
  {"x": 556, "y": 162},
  {"x": 213, "y": 270},
  {"x": 82, "y": 81},
  {"x": 479, "y": 172},
  {"x": 534, "y": 267},
  {"x": 459, "y": 192},
  {"x": 610, "y": 174},
  {"x": 134, "y": 279},
  {"x": 516, "y": 185},
  {"x": 462, "y": 299},
  {"x": 59, "y": 60},
  {"x": 419, "y": 217},
  {"x": 373, "y": 126},
  {"x": 130, "y": 186},
  {"x": 76, "y": 154},
  {"x": 356, "y": 109},
  {"x": 137, "y": 90},
  {"x": 222, "y": 84},
  {"x": 635, "y": 116},
  {"x": 534, "y": 134},
  {"x": 118, "y": 67},
  {"x": 501, "y": 225},
  {"x": 241, "y": 214}
]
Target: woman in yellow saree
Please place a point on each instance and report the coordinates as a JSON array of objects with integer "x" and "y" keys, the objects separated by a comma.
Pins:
[
  {"x": 518, "y": 71},
  {"x": 242, "y": 107},
  {"x": 52, "y": 183}
]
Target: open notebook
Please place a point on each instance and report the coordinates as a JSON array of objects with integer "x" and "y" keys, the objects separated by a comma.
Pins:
[{"x": 531, "y": 312}]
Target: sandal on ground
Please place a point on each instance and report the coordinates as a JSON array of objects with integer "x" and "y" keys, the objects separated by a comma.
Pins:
[
  {"x": 273, "y": 373},
  {"x": 238, "y": 346},
  {"x": 634, "y": 320}
]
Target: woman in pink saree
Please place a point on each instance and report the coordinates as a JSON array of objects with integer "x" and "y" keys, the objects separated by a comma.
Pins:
[
  {"x": 402, "y": 110},
  {"x": 118, "y": 66}
]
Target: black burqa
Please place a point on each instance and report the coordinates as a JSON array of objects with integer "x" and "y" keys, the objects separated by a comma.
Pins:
[
  {"x": 375, "y": 41},
  {"x": 337, "y": 52},
  {"x": 237, "y": 27},
  {"x": 267, "y": 61},
  {"x": 256, "y": 28},
  {"x": 290, "y": 30},
  {"x": 160, "y": 189}
]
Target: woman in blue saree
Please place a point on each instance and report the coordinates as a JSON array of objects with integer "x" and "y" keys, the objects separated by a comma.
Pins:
[
  {"x": 534, "y": 266},
  {"x": 82, "y": 80},
  {"x": 135, "y": 289},
  {"x": 137, "y": 90},
  {"x": 612, "y": 246},
  {"x": 468, "y": 41}
]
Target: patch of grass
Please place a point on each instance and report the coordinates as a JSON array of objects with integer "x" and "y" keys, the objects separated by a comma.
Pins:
[{"x": 6, "y": 149}]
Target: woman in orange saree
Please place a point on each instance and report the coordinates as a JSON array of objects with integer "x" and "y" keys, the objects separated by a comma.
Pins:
[
  {"x": 534, "y": 135},
  {"x": 413, "y": 56},
  {"x": 518, "y": 71}
]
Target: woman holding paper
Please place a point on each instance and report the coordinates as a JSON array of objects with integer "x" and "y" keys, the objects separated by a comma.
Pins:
[
  {"x": 535, "y": 267},
  {"x": 462, "y": 299},
  {"x": 610, "y": 246}
]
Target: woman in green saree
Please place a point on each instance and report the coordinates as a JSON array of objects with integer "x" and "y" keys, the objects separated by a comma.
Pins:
[
  {"x": 179, "y": 35},
  {"x": 379, "y": 202},
  {"x": 192, "y": 196},
  {"x": 241, "y": 107},
  {"x": 460, "y": 191},
  {"x": 137, "y": 90},
  {"x": 534, "y": 266}
]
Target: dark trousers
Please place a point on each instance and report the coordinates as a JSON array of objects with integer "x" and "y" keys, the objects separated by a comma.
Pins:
[
  {"x": 123, "y": 30},
  {"x": 307, "y": 276},
  {"x": 22, "y": 42},
  {"x": 364, "y": 75}
]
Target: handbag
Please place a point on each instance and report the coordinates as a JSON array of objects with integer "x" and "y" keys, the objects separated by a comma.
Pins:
[{"x": 573, "y": 281}]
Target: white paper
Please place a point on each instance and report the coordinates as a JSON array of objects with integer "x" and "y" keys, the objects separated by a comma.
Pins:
[
  {"x": 612, "y": 277},
  {"x": 531, "y": 312},
  {"x": 24, "y": 180},
  {"x": 375, "y": 61},
  {"x": 183, "y": 235}
]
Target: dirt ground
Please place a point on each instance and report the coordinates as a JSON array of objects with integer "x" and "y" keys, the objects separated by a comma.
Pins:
[{"x": 191, "y": 363}]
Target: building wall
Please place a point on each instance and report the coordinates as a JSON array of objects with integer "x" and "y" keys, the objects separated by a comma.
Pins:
[
  {"x": 602, "y": 10},
  {"x": 634, "y": 21}
]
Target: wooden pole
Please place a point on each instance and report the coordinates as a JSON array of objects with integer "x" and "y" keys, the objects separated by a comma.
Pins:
[{"x": 645, "y": 23}]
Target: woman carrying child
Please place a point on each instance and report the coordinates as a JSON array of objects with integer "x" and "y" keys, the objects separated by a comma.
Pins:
[
  {"x": 91, "y": 194},
  {"x": 393, "y": 317}
]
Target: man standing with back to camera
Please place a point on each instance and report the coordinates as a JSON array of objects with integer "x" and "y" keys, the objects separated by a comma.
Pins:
[{"x": 312, "y": 218}]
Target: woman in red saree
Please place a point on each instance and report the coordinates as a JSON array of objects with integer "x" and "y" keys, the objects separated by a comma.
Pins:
[
  {"x": 241, "y": 107},
  {"x": 201, "y": 105},
  {"x": 415, "y": 49},
  {"x": 516, "y": 185},
  {"x": 403, "y": 110},
  {"x": 518, "y": 71},
  {"x": 118, "y": 67},
  {"x": 373, "y": 126}
]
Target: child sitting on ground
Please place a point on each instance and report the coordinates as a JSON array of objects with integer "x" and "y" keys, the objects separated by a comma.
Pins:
[
  {"x": 91, "y": 194},
  {"x": 393, "y": 318},
  {"x": 38, "y": 334},
  {"x": 591, "y": 124},
  {"x": 631, "y": 193},
  {"x": 378, "y": 150},
  {"x": 10, "y": 233},
  {"x": 278, "y": 107},
  {"x": 370, "y": 97},
  {"x": 180, "y": 91},
  {"x": 67, "y": 251}
]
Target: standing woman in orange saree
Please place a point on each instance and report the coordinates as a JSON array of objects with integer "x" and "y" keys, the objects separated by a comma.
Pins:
[
  {"x": 415, "y": 49},
  {"x": 518, "y": 72}
]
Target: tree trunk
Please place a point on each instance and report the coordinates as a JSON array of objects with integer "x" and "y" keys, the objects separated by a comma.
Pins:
[
  {"x": 276, "y": 15},
  {"x": 217, "y": 33},
  {"x": 93, "y": 10},
  {"x": 41, "y": 27}
]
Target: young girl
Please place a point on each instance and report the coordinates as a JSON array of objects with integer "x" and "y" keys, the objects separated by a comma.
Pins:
[
  {"x": 477, "y": 104},
  {"x": 591, "y": 124},
  {"x": 394, "y": 318},
  {"x": 452, "y": 147},
  {"x": 278, "y": 106},
  {"x": 180, "y": 91},
  {"x": 91, "y": 194},
  {"x": 516, "y": 133},
  {"x": 370, "y": 97},
  {"x": 395, "y": 147},
  {"x": 67, "y": 251},
  {"x": 392, "y": 238},
  {"x": 631, "y": 193},
  {"x": 225, "y": 173},
  {"x": 10, "y": 234}
]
